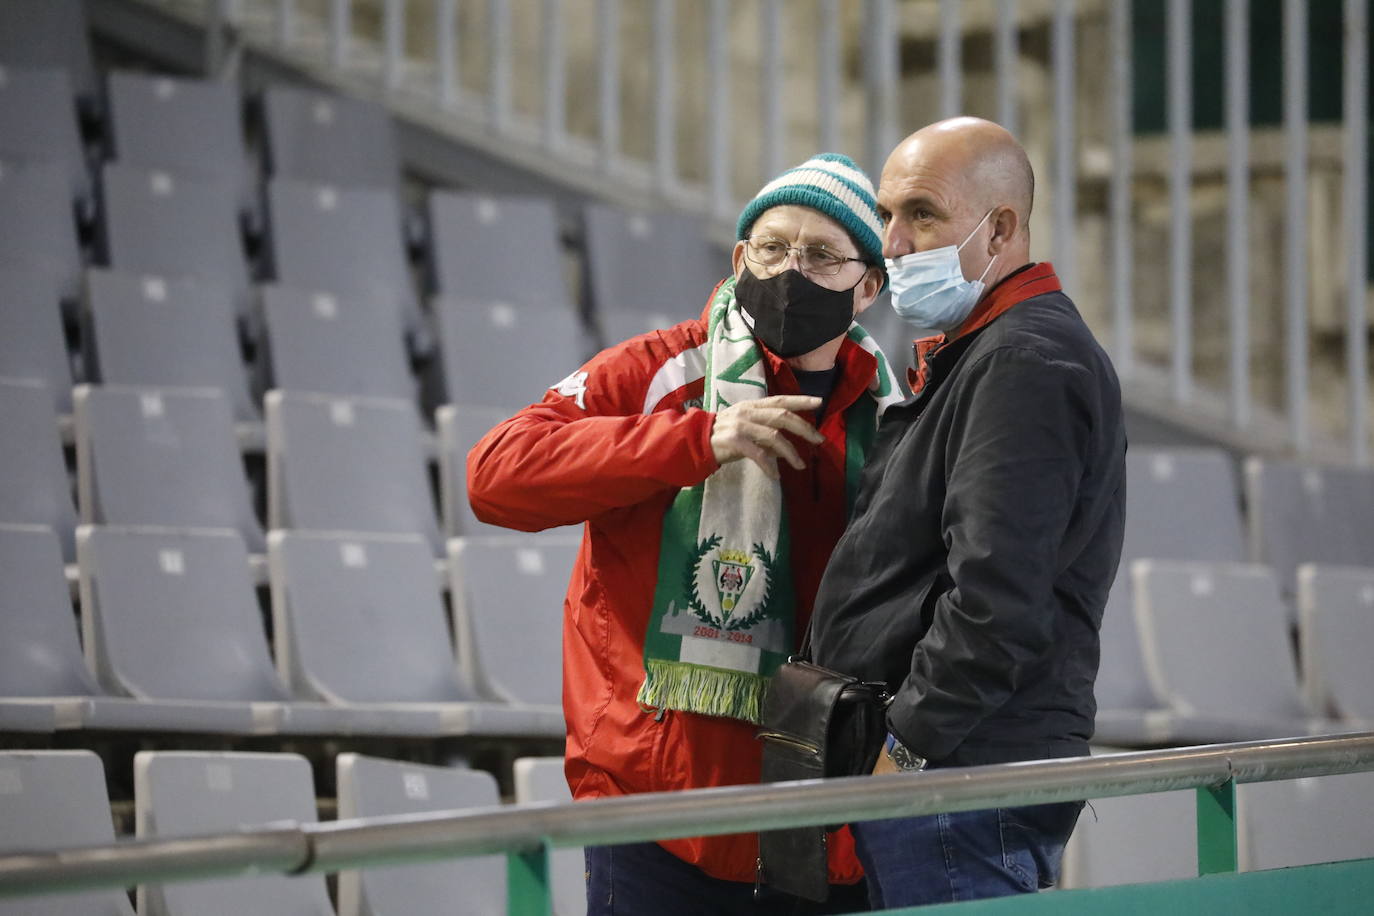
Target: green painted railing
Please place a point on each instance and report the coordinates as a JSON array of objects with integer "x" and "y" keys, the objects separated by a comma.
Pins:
[{"x": 528, "y": 833}]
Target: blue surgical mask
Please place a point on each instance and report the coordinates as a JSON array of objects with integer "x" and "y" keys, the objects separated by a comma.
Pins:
[{"x": 929, "y": 289}]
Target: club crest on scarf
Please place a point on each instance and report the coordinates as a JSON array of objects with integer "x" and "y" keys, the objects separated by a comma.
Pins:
[{"x": 727, "y": 574}]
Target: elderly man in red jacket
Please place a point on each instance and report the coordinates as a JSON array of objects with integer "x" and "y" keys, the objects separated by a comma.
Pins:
[{"x": 714, "y": 464}]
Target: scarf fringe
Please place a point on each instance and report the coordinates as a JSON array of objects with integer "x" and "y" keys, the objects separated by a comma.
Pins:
[{"x": 701, "y": 689}]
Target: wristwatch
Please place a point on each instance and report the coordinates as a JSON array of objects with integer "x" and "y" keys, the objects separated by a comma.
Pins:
[{"x": 902, "y": 756}]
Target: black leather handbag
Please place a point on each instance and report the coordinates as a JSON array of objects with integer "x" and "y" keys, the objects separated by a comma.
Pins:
[{"x": 815, "y": 723}]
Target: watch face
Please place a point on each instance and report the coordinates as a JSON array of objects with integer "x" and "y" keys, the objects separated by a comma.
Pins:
[{"x": 904, "y": 759}]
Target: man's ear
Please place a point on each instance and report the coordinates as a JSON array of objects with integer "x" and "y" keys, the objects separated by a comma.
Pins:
[
  {"x": 737, "y": 258},
  {"x": 1005, "y": 225},
  {"x": 868, "y": 289}
]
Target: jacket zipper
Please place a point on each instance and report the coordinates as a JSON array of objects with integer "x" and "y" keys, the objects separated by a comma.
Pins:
[{"x": 779, "y": 737}]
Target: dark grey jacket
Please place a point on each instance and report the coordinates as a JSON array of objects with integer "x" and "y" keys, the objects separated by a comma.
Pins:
[{"x": 985, "y": 536}]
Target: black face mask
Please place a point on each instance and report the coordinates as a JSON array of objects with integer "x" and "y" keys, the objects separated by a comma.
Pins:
[{"x": 793, "y": 315}]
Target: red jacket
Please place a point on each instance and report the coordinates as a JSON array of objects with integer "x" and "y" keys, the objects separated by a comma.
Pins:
[{"x": 611, "y": 446}]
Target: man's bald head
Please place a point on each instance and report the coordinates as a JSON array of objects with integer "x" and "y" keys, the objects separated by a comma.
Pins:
[{"x": 982, "y": 156}]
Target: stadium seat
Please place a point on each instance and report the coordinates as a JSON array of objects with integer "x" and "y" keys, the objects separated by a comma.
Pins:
[
  {"x": 56, "y": 800},
  {"x": 186, "y": 794},
  {"x": 1301, "y": 513},
  {"x": 44, "y": 681},
  {"x": 508, "y": 613},
  {"x": 1132, "y": 839},
  {"x": 1216, "y": 644},
  {"x": 492, "y": 354},
  {"x": 348, "y": 464},
  {"x": 658, "y": 263},
  {"x": 161, "y": 457},
  {"x": 360, "y": 622},
  {"x": 541, "y": 779},
  {"x": 38, "y": 122},
  {"x": 329, "y": 139},
  {"x": 185, "y": 126},
  {"x": 345, "y": 241},
  {"x": 1295, "y": 822},
  {"x": 459, "y": 429},
  {"x": 31, "y": 341},
  {"x": 1336, "y": 624},
  {"x": 38, "y": 225},
  {"x": 34, "y": 489},
  {"x": 372, "y": 787},
  {"x": 323, "y": 343},
  {"x": 162, "y": 332},
  {"x": 1180, "y": 504},
  {"x": 175, "y": 225},
  {"x": 44, "y": 33},
  {"x": 496, "y": 249}
]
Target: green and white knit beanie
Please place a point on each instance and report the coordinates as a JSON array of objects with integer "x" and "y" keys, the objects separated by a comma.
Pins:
[{"x": 834, "y": 185}]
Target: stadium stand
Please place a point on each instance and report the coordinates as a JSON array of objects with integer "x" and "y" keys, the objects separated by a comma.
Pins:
[
  {"x": 31, "y": 341},
  {"x": 1131, "y": 839},
  {"x": 165, "y": 224},
  {"x": 38, "y": 122},
  {"x": 323, "y": 138},
  {"x": 38, "y": 225},
  {"x": 327, "y": 344},
  {"x": 34, "y": 489},
  {"x": 459, "y": 428},
  {"x": 187, "y": 793},
  {"x": 541, "y": 779},
  {"x": 348, "y": 464},
  {"x": 1305, "y": 821},
  {"x": 161, "y": 457},
  {"x": 163, "y": 332},
  {"x": 508, "y": 612},
  {"x": 181, "y": 125},
  {"x": 46, "y": 33},
  {"x": 56, "y": 800},
  {"x": 370, "y": 787},
  {"x": 359, "y": 622},
  {"x": 1336, "y": 619}
]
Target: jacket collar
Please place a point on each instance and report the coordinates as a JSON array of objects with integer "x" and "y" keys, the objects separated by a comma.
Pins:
[{"x": 1022, "y": 284}]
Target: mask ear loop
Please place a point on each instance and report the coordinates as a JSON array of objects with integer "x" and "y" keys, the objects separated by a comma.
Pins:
[{"x": 971, "y": 235}]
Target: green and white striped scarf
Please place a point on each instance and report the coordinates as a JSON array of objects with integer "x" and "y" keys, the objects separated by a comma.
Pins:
[{"x": 724, "y": 615}]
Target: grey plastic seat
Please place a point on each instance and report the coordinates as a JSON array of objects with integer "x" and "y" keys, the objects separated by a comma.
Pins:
[
  {"x": 496, "y": 249},
  {"x": 1181, "y": 504},
  {"x": 459, "y": 427},
  {"x": 1216, "y": 645},
  {"x": 321, "y": 137},
  {"x": 346, "y": 241},
  {"x": 660, "y": 263},
  {"x": 162, "y": 332},
  {"x": 348, "y": 464},
  {"x": 31, "y": 342},
  {"x": 1336, "y": 625},
  {"x": 320, "y": 342},
  {"x": 508, "y": 595},
  {"x": 56, "y": 800},
  {"x": 38, "y": 225},
  {"x": 186, "y": 794},
  {"x": 1133, "y": 839},
  {"x": 34, "y": 489},
  {"x": 44, "y": 681},
  {"x": 1301, "y": 513},
  {"x": 174, "y": 225},
  {"x": 372, "y": 787},
  {"x": 38, "y": 121},
  {"x": 541, "y": 779},
  {"x": 1296, "y": 822},
  {"x": 186, "y": 126},
  {"x": 44, "y": 33},
  {"x": 161, "y": 457},
  {"x": 360, "y": 622},
  {"x": 492, "y": 354}
]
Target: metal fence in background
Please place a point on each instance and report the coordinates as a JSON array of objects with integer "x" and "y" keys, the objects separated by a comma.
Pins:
[{"x": 865, "y": 54}]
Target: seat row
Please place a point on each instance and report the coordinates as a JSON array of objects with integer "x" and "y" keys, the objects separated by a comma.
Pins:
[
  {"x": 1197, "y": 636},
  {"x": 172, "y": 635},
  {"x": 58, "y": 800}
]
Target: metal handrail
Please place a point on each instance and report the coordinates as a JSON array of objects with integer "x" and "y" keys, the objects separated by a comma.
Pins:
[{"x": 300, "y": 848}]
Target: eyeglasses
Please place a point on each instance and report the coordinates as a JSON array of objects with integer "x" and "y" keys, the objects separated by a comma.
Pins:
[{"x": 814, "y": 259}]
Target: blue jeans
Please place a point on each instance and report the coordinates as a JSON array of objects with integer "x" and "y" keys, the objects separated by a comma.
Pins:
[
  {"x": 967, "y": 855},
  {"x": 644, "y": 879}
]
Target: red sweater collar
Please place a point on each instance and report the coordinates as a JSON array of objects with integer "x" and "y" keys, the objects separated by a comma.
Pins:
[{"x": 1026, "y": 283}]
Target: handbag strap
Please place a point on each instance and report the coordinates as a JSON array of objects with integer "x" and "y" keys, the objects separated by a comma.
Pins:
[{"x": 804, "y": 650}]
